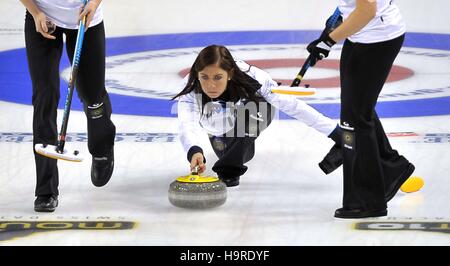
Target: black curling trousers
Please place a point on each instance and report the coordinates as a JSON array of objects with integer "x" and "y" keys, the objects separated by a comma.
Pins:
[
  {"x": 43, "y": 62},
  {"x": 236, "y": 148},
  {"x": 370, "y": 164}
]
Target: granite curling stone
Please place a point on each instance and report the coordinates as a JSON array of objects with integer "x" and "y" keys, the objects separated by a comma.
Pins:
[{"x": 197, "y": 192}]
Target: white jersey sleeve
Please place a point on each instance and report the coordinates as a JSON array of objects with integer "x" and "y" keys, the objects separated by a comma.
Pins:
[
  {"x": 188, "y": 118},
  {"x": 290, "y": 105}
]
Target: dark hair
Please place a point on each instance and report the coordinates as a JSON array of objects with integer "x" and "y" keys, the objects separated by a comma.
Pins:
[{"x": 240, "y": 85}]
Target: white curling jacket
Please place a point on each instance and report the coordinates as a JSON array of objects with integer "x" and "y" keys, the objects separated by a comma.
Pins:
[
  {"x": 386, "y": 25},
  {"x": 64, "y": 13},
  {"x": 189, "y": 113}
]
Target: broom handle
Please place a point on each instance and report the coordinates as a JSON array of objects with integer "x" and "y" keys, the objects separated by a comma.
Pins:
[
  {"x": 329, "y": 26},
  {"x": 73, "y": 74}
]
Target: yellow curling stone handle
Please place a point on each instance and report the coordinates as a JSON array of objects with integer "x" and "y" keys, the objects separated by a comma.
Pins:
[{"x": 192, "y": 178}]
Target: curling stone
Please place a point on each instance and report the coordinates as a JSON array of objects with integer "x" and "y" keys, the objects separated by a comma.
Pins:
[{"x": 197, "y": 192}]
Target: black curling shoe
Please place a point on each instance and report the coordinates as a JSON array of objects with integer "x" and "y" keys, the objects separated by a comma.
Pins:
[
  {"x": 358, "y": 213},
  {"x": 46, "y": 203},
  {"x": 102, "y": 169},
  {"x": 230, "y": 181}
]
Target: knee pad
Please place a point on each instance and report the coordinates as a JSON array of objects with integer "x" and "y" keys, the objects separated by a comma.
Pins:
[
  {"x": 348, "y": 136},
  {"x": 95, "y": 111},
  {"x": 100, "y": 108},
  {"x": 219, "y": 143}
]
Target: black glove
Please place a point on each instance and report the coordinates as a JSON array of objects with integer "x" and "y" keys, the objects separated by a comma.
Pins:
[{"x": 320, "y": 48}]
